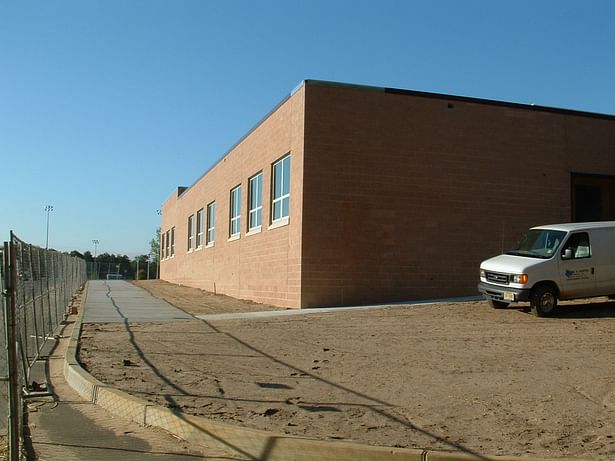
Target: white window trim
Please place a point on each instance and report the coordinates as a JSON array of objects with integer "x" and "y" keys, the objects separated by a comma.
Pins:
[
  {"x": 172, "y": 236},
  {"x": 274, "y": 199},
  {"x": 210, "y": 243},
  {"x": 285, "y": 221},
  {"x": 254, "y": 230},
  {"x": 190, "y": 235},
  {"x": 258, "y": 209},
  {"x": 198, "y": 241},
  {"x": 233, "y": 219}
]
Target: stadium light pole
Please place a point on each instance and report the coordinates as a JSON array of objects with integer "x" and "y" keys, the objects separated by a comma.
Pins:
[
  {"x": 159, "y": 212},
  {"x": 48, "y": 209},
  {"x": 95, "y": 242}
]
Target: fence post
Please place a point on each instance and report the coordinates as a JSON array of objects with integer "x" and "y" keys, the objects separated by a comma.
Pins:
[
  {"x": 37, "y": 333},
  {"x": 11, "y": 344}
]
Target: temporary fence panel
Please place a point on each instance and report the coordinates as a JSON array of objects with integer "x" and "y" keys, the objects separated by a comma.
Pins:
[
  {"x": 4, "y": 369},
  {"x": 39, "y": 285}
]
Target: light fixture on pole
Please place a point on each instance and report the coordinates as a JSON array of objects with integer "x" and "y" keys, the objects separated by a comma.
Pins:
[{"x": 48, "y": 209}]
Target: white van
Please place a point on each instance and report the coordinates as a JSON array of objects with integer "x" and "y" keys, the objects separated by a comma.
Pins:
[{"x": 559, "y": 261}]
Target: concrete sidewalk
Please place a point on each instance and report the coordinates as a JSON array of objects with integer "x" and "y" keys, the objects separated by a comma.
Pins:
[
  {"x": 120, "y": 301},
  {"x": 66, "y": 427}
]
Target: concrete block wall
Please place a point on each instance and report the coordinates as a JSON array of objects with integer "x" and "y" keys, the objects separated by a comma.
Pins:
[
  {"x": 405, "y": 194},
  {"x": 263, "y": 266}
]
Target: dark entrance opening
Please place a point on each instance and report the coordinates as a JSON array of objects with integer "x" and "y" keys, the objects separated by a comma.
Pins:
[{"x": 593, "y": 198}]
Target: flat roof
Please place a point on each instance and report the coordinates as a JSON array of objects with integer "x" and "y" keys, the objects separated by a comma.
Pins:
[
  {"x": 450, "y": 97},
  {"x": 423, "y": 94}
]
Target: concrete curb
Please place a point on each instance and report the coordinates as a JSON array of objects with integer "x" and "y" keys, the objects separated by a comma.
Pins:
[{"x": 251, "y": 443}]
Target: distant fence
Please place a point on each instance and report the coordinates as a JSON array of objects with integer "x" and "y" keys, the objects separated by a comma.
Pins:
[
  {"x": 37, "y": 287},
  {"x": 101, "y": 270}
]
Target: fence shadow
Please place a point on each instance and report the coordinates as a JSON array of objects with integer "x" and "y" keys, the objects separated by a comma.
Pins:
[{"x": 377, "y": 406}]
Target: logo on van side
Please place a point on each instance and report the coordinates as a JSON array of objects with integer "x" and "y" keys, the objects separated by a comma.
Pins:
[{"x": 579, "y": 274}]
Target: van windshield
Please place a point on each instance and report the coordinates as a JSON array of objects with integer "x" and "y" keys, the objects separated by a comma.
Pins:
[{"x": 538, "y": 243}]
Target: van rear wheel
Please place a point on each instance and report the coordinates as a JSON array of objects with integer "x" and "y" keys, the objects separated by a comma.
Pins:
[
  {"x": 497, "y": 304},
  {"x": 543, "y": 301}
]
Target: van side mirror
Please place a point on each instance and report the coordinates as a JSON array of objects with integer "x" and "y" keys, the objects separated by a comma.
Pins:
[{"x": 567, "y": 254}]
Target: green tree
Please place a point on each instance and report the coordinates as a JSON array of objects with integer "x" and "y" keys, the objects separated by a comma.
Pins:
[
  {"x": 154, "y": 245},
  {"x": 143, "y": 266}
]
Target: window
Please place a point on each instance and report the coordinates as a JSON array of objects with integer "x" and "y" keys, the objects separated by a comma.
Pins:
[
  {"x": 255, "y": 201},
  {"x": 281, "y": 189},
  {"x": 172, "y": 240},
  {"x": 190, "y": 232},
  {"x": 234, "y": 227},
  {"x": 211, "y": 224},
  {"x": 162, "y": 245},
  {"x": 169, "y": 253},
  {"x": 199, "y": 228},
  {"x": 577, "y": 247}
]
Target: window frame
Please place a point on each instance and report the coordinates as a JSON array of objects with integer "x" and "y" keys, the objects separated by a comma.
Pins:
[
  {"x": 283, "y": 197},
  {"x": 199, "y": 229},
  {"x": 190, "y": 234},
  {"x": 163, "y": 247},
  {"x": 255, "y": 210},
  {"x": 210, "y": 224},
  {"x": 172, "y": 241},
  {"x": 576, "y": 236},
  {"x": 235, "y": 219},
  {"x": 168, "y": 244}
]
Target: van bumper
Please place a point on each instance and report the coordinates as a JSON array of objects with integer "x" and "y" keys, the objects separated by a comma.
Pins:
[{"x": 504, "y": 294}]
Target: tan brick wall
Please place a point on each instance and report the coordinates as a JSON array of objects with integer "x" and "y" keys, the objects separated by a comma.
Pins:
[
  {"x": 264, "y": 267},
  {"x": 404, "y": 195},
  {"x": 394, "y": 196}
]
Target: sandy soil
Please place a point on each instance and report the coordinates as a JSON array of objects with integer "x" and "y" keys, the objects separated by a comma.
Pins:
[
  {"x": 457, "y": 376},
  {"x": 199, "y": 302},
  {"x": 3, "y": 447}
]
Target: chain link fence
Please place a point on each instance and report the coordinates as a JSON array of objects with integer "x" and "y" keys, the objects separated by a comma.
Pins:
[
  {"x": 4, "y": 368},
  {"x": 104, "y": 270},
  {"x": 37, "y": 288}
]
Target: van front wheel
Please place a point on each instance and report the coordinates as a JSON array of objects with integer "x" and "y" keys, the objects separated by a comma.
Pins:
[{"x": 543, "y": 301}]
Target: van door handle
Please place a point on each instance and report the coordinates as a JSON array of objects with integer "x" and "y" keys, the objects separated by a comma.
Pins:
[{"x": 592, "y": 271}]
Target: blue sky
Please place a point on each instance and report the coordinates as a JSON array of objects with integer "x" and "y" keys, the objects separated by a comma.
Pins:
[{"x": 107, "y": 106}]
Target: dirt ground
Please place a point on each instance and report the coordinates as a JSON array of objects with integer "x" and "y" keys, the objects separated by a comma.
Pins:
[
  {"x": 199, "y": 302},
  {"x": 453, "y": 376}
]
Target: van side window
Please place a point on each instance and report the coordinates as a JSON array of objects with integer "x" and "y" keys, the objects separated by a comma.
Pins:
[{"x": 579, "y": 246}]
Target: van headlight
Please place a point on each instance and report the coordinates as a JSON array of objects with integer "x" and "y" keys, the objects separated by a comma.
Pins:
[
  {"x": 519, "y": 278},
  {"x": 482, "y": 274}
]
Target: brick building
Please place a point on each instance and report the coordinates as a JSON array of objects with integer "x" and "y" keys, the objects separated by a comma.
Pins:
[{"x": 347, "y": 194}]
